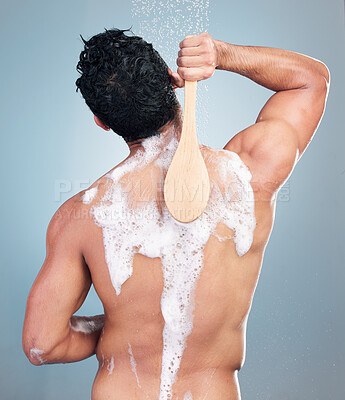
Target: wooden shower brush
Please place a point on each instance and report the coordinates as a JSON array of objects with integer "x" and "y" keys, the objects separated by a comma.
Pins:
[{"x": 187, "y": 184}]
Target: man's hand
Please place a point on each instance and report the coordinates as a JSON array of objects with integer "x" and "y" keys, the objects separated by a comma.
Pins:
[{"x": 196, "y": 60}]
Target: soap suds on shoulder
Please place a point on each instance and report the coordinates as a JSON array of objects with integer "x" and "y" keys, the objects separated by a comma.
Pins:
[{"x": 89, "y": 195}]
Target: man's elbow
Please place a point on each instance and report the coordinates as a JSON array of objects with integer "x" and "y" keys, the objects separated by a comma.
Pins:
[
  {"x": 35, "y": 355},
  {"x": 325, "y": 73},
  {"x": 32, "y": 343},
  {"x": 41, "y": 352},
  {"x": 321, "y": 80}
]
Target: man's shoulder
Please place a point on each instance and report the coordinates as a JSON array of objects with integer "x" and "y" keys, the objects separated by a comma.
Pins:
[
  {"x": 65, "y": 216},
  {"x": 270, "y": 151},
  {"x": 215, "y": 154},
  {"x": 76, "y": 210},
  {"x": 77, "y": 207}
]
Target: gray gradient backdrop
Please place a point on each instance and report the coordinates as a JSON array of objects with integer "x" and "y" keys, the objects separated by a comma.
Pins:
[{"x": 296, "y": 329}]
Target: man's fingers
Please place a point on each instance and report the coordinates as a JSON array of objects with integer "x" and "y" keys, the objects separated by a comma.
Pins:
[
  {"x": 195, "y": 74},
  {"x": 195, "y": 61},
  {"x": 189, "y": 74},
  {"x": 189, "y": 51},
  {"x": 191, "y": 42}
]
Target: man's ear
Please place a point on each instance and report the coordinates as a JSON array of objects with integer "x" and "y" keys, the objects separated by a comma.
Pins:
[
  {"x": 172, "y": 78},
  {"x": 175, "y": 79},
  {"x": 100, "y": 123}
]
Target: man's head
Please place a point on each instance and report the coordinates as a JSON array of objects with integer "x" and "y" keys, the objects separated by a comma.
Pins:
[{"x": 126, "y": 84}]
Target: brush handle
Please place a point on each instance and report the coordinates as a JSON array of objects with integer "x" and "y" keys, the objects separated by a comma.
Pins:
[
  {"x": 188, "y": 134},
  {"x": 187, "y": 184}
]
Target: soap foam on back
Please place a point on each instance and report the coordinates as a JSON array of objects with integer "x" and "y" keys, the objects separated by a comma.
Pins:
[
  {"x": 133, "y": 364},
  {"x": 150, "y": 230},
  {"x": 188, "y": 396},
  {"x": 110, "y": 366}
]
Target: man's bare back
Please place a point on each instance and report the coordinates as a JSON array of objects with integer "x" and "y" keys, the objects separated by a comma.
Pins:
[
  {"x": 138, "y": 336},
  {"x": 130, "y": 347},
  {"x": 134, "y": 320}
]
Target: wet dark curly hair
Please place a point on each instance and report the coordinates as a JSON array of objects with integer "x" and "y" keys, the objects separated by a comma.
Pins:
[{"x": 125, "y": 83}]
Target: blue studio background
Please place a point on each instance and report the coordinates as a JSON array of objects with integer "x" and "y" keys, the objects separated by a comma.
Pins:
[{"x": 52, "y": 149}]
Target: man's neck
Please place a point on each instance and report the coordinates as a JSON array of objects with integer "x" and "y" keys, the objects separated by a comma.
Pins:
[{"x": 173, "y": 128}]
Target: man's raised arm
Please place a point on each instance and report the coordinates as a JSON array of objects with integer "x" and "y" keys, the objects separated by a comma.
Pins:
[
  {"x": 288, "y": 120},
  {"x": 301, "y": 83}
]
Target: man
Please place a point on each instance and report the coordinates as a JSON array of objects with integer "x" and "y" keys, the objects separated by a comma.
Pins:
[{"x": 176, "y": 297}]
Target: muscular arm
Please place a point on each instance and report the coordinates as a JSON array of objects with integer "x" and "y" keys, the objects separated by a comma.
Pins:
[
  {"x": 275, "y": 69},
  {"x": 51, "y": 333},
  {"x": 289, "y": 119}
]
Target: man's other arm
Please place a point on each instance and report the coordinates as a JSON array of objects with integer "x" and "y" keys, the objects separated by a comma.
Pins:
[{"x": 51, "y": 333}]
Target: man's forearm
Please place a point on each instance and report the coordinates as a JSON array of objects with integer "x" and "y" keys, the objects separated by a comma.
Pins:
[
  {"x": 84, "y": 336},
  {"x": 79, "y": 342},
  {"x": 272, "y": 68}
]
